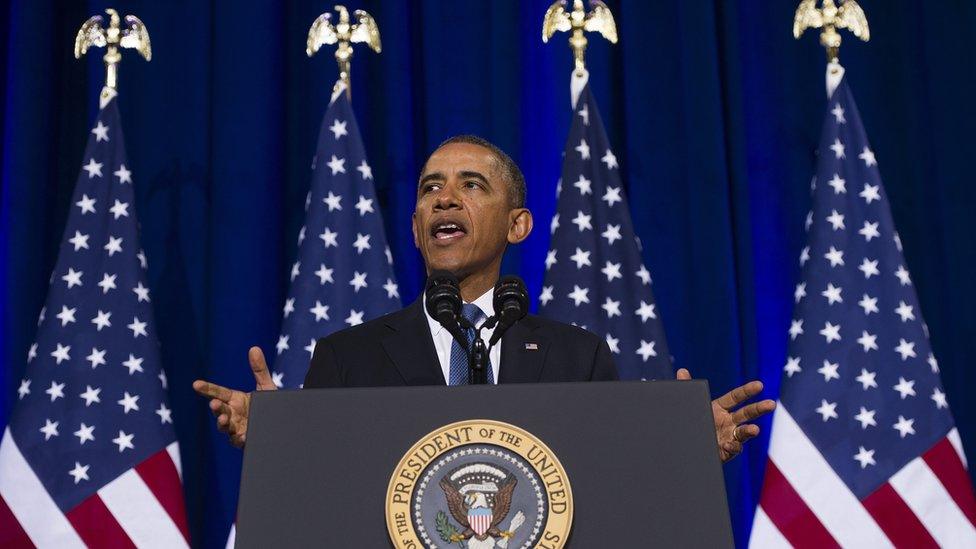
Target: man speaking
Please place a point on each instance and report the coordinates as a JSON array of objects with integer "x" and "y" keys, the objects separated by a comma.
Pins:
[{"x": 470, "y": 207}]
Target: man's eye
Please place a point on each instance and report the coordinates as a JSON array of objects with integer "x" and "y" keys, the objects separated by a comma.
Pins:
[
  {"x": 427, "y": 188},
  {"x": 471, "y": 184}
]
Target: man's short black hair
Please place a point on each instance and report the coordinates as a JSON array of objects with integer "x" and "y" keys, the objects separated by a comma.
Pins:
[{"x": 509, "y": 168}]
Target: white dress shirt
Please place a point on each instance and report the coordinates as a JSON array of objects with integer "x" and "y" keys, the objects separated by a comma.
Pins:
[{"x": 443, "y": 339}]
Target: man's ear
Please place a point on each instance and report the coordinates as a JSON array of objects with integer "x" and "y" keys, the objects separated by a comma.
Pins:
[
  {"x": 413, "y": 227},
  {"x": 519, "y": 226}
]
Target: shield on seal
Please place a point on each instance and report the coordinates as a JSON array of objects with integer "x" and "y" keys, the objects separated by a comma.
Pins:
[{"x": 480, "y": 519}]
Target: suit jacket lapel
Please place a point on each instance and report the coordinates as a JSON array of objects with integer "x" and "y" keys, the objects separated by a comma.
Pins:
[
  {"x": 411, "y": 347},
  {"x": 524, "y": 351}
]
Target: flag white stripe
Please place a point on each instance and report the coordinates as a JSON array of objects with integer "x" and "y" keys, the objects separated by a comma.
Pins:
[
  {"x": 139, "y": 513},
  {"x": 174, "y": 454},
  {"x": 30, "y": 502},
  {"x": 837, "y": 508},
  {"x": 765, "y": 534},
  {"x": 956, "y": 442},
  {"x": 928, "y": 499}
]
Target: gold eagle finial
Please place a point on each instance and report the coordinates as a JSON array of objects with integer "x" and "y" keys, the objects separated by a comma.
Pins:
[
  {"x": 344, "y": 34},
  {"x": 93, "y": 34},
  {"x": 830, "y": 17},
  {"x": 599, "y": 19}
]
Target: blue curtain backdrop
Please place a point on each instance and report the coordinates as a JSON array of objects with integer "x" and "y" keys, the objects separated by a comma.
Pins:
[{"x": 713, "y": 108}]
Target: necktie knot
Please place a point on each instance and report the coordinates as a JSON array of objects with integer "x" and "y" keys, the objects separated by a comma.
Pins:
[{"x": 472, "y": 313}]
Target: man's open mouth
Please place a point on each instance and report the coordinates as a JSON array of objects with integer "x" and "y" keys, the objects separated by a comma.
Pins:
[{"x": 446, "y": 230}]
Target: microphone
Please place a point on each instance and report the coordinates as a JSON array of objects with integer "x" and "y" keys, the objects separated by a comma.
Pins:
[
  {"x": 442, "y": 298},
  {"x": 511, "y": 302}
]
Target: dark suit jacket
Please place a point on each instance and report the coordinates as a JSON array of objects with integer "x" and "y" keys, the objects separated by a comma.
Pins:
[{"x": 398, "y": 349}]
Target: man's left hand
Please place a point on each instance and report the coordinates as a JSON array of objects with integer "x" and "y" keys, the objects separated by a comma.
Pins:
[{"x": 731, "y": 427}]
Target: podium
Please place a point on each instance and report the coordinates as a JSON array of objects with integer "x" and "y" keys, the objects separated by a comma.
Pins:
[{"x": 580, "y": 465}]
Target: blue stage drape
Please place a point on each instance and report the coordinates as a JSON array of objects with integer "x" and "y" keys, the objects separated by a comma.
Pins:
[{"x": 713, "y": 108}]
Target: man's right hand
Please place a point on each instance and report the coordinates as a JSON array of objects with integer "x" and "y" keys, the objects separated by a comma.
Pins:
[{"x": 231, "y": 407}]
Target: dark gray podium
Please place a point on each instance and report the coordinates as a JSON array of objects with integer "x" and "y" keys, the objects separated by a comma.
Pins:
[{"x": 640, "y": 458}]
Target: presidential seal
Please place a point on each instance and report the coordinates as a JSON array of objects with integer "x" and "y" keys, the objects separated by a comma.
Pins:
[{"x": 479, "y": 484}]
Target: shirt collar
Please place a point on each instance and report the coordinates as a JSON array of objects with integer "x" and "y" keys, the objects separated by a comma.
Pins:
[{"x": 484, "y": 302}]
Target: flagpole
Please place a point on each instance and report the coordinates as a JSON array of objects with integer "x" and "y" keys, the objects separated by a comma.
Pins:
[
  {"x": 343, "y": 33},
  {"x": 830, "y": 17},
  {"x": 598, "y": 19},
  {"x": 93, "y": 34}
]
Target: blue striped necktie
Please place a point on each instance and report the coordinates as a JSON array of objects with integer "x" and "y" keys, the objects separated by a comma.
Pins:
[{"x": 459, "y": 358}]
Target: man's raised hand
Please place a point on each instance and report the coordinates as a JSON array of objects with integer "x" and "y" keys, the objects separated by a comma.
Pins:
[
  {"x": 732, "y": 429},
  {"x": 231, "y": 407}
]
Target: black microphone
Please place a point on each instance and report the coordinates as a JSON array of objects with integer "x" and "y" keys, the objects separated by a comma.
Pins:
[
  {"x": 511, "y": 302},
  {"x": 442, "y": 298}
]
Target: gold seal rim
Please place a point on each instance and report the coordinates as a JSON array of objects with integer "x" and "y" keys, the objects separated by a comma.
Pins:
[{"x": 570, "y": 509}]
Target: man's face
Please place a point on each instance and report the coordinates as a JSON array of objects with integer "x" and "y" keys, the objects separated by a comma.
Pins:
[{"x": 464, "y": 218}]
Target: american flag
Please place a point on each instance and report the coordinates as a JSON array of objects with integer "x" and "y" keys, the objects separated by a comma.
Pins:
[
  {"x": 344, "y": 272},
  {"x": 594, "y": 272},
  {"x": 343, "y": 275},
  {"x": 864, "y": 450},
  {"x": 90, "y": 456}
]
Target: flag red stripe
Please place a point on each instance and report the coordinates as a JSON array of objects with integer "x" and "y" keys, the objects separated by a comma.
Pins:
[
  {"x": 790, "y": 514},
  {"x": 160, "y": 475},
  {"x": 96, "y": 525},
  {"x": 12, "y": 534},
  {"x": 945, "y": 463},
  {"x": 897, "y": 519}
]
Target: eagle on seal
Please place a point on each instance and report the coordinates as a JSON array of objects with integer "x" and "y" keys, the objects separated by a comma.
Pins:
[{"x": 463, "y": 506}]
